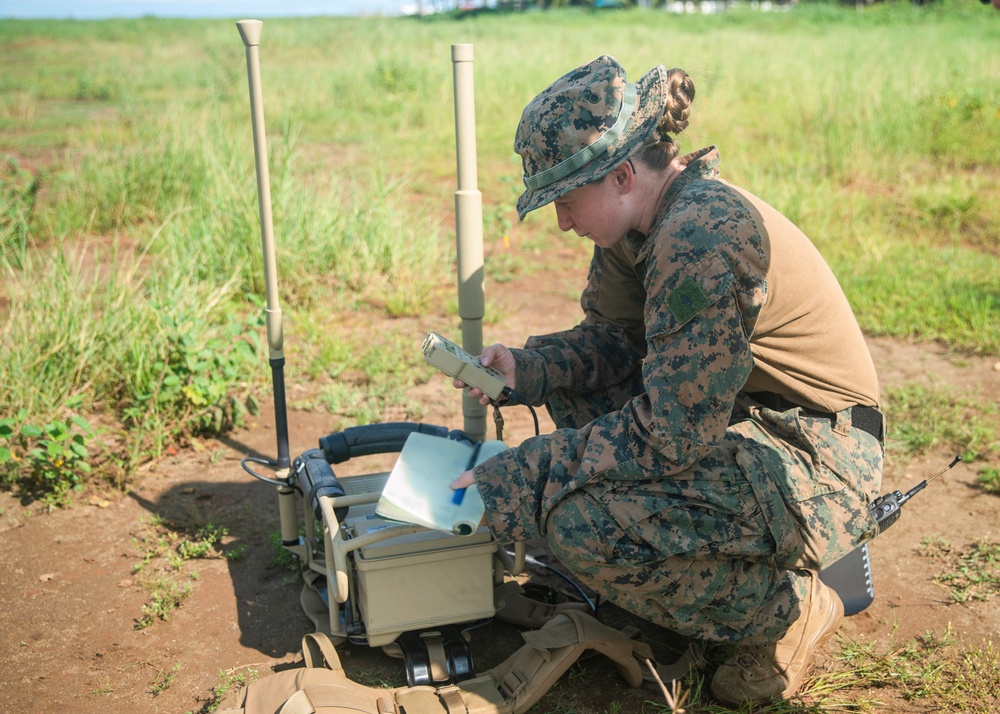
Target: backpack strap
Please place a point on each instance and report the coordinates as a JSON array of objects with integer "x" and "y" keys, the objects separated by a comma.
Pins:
[
  {"x": 313, "y": 605},
  {"x": 429, "y": 700},
  {"x": 518, "y": 609},
  {"x": 319, "y": 651},
  {"x": 692, "y": 658},
  {"x": 524, "y": 677},
  {"x": 345, "y": 697}
]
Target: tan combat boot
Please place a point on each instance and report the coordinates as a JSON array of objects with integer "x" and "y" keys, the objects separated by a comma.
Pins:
[{"x": 762, "y": 672}]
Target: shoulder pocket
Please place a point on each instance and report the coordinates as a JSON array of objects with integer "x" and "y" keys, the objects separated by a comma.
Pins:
[{"x": 689, "y": 291}]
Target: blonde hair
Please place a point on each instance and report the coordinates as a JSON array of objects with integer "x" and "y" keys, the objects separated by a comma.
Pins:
[{"x": 660, "y": 149}]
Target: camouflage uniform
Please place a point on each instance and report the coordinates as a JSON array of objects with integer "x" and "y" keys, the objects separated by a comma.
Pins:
[{"x": 666, "y": 487}]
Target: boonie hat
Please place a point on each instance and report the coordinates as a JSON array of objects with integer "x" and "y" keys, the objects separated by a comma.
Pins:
[{"x": 583, "y": 125}]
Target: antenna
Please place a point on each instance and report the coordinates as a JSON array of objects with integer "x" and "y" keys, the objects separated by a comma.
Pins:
[
  {"x": 886, "y": 509},
  {"x": 923, "y": 484},
  {"x": 468, "y": 229},
  {"x": 250, "y": 31}
]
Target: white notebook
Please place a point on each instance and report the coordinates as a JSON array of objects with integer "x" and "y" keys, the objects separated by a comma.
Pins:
[{"x": 418, "y": 489}]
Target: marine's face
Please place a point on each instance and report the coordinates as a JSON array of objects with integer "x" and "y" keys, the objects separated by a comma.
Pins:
[{"x": 594, "y": 211}]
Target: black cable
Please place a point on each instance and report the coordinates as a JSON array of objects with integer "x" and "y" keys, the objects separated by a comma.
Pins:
[
  {"x": 265, "y": 462},
  {"x": 535, "y": 561},
  {"x": 515, "y": 397}
]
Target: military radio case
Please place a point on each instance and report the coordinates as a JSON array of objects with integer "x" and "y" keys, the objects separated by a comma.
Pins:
[{"x": 373, "y": 581}]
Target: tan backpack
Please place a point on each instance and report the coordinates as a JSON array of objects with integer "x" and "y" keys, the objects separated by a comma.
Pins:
[{"x": 321, "y": 687}]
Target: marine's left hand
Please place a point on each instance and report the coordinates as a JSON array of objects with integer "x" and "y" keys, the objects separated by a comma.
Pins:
[{"x": 464, "y": 480}]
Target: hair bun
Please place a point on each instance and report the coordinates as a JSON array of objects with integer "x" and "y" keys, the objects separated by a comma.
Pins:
[{"x": 680, "y": 94}]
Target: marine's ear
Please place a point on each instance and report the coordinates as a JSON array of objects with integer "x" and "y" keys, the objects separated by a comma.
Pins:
[{"x": 624, "y": 175}]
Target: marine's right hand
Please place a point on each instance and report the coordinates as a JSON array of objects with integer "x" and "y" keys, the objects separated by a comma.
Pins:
[{"x": 498, "y": 357}]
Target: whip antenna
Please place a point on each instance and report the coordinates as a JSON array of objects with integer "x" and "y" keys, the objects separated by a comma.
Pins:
[
  {"x": 468, "y": 228},
  {"x": 250, "y": 31}
]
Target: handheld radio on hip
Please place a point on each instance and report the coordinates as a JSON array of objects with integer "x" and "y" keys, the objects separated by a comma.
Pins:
[{"x": 886, "y": 508}]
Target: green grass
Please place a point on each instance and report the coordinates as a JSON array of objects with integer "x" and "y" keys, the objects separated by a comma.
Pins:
[
  {"x": 132, "y": 286},
  {"x": 929, "y": 671},
  {"x": 163, "y": 680},
  {"x": 924, "y": 418},
  {"x": 229, "y": 681},
  {"x": 165, "y": 551},
  {"x": 989, "y": 479},
  {"x": 969, "y": 574}
]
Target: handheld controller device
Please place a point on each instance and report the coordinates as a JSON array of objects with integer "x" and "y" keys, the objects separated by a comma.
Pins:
[{"x": 456, "y": 362}]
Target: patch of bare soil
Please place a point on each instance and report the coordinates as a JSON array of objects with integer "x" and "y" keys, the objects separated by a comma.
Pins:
[{"x": 71, "y": 595}]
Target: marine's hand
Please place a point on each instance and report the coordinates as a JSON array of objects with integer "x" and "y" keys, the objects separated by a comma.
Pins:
[
  {"x": 498, "y": 357},
  {"x": 464, "y": 480}
]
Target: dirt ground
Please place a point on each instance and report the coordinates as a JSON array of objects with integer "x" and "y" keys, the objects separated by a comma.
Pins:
[{"x": 70, "y": 595}]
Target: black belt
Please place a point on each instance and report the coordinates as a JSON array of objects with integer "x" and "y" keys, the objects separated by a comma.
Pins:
[{"x": 868, "y": 419}]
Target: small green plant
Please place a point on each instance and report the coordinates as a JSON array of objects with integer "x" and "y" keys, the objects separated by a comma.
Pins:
[
  {"x": 164, "y": 553},
  {"x": 104, "y": 690},
  {"x": 975, "y": 572},
  {"x": 192, "y": 390},
  {"x": 283, "y": 558},
  {"x": 152, "y": 542},
  {"x": 163, "y": 680},
  {"x": 989, "y": 479},
  {"x": 227, "y": 681},
  {"x": 165, "y": 594},
  {"x": 236, "y": 553},
  {"x": 970, "y": 574},
  {"x": 203, "y": 545},
  {"x": 577, "y": 673},
  {"x": 52, "y": 459},
  {"x": 933, "y": 546}
]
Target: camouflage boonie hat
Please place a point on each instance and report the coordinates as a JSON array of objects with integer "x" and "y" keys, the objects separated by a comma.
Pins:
[{"x": 583, "y": 125}]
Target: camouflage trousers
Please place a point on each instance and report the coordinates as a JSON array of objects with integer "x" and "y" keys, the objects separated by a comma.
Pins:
[{"x": 726, "y": 548}]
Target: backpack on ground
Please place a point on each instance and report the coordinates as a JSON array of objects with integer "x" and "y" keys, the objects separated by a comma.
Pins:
[{"x": 512, "y": 687}]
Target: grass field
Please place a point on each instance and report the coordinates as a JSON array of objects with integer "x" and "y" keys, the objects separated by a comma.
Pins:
[{"x": 132, "y": 288}]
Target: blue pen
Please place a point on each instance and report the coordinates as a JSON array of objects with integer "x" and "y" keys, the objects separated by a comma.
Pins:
[{"x": 459, "y": 494}]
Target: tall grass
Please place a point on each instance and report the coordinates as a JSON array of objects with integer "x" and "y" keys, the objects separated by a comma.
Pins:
[{"x": 878, "y": 131}]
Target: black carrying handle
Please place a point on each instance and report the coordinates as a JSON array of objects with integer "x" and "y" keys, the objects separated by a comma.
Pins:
[
  {"x": 371, "y": 439},
  {"x": 313, "y": 466},
  {"x": 319, "y": 480}
]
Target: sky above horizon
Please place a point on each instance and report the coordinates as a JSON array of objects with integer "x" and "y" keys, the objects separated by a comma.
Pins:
[{"x": 102, "y": 9}]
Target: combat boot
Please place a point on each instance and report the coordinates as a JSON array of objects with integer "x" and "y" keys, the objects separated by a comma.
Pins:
[{"x": 762, "y": 672}]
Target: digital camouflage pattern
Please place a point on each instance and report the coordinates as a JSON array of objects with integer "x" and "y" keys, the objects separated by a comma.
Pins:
[
  {"x": 665, "y": 488},
  {"x": 582, "y": 125}
]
